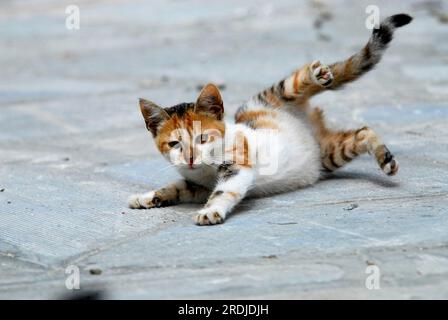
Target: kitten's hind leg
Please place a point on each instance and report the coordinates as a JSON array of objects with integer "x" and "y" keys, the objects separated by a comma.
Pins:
[
  {"x": 339, "y": 148},
  {"x": 299, "y": 86},
  {"x": 181, "y": 191}
]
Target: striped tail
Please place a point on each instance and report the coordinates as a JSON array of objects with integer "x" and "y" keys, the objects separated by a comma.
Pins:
[
  {"x": 365, "y": 60},
  {"x": 316, "y": 77}
]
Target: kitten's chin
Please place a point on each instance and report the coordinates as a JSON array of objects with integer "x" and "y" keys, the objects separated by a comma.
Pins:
[
  {"x": 194, "y": 167},
  {"x": 186, "y": 167}
]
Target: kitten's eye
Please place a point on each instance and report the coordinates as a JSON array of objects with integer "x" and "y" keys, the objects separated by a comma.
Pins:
[
  {"x": 174, "y": 144},
  {"x": 202, "y": 138}
]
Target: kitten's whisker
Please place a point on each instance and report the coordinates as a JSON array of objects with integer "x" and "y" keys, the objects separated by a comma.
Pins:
[{"x": 166, "y": 168}]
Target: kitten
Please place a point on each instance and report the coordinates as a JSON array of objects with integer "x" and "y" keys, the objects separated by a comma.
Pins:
[{"x": 224, "y": 162}]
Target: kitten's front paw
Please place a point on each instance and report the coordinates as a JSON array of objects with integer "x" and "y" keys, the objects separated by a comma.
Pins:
[
  {"x": 144, "y": 201},
  {"x": 208, "y": 217},
  {"x": 321, "y": 73}
]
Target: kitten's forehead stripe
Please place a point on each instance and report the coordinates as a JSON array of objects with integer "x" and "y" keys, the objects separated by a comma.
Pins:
[{"x": 180, "y": 109}]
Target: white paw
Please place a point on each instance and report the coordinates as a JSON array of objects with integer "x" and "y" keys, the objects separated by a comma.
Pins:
[
  {"x": 144, "y": 201},
  {"x": 208, "y": 217},
  {"x": 391, "y": 168},
  {"x": 321, "y": 73}
]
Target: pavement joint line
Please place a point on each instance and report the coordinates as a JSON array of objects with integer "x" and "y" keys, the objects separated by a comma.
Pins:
[
  {"x": 411, "y": 197},
  {"x": 376, "y": 241},
  {"x": 24, "y": 103},
  {"x": 85, "y": 255},
  {"x": 48, "y": 118}
]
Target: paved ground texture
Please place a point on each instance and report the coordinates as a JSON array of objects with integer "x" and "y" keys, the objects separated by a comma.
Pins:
[{"x": 73, "y": 146}]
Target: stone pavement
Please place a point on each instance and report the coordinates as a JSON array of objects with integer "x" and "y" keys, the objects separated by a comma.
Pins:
[{"x": 73, "y": 146}]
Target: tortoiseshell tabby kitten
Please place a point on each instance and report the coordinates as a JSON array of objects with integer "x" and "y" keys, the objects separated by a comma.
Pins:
[{"x": 222, "y": 162}]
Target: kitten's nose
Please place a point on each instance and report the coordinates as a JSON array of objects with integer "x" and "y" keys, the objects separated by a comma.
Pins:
[{"x": 191, "y": 161}]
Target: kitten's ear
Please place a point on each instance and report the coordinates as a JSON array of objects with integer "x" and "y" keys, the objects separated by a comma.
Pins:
[
  {"x": 210, "y": 102},
  {"x": 153, "y": 115}
]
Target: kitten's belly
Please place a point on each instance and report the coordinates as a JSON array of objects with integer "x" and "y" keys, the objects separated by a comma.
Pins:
[{"x": 297, "y": 163}]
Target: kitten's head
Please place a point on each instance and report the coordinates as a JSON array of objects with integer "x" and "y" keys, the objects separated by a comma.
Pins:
[{"x": 188, "y": 134}]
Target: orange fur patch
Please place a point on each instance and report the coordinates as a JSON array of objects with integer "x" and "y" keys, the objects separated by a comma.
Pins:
[
  {"x": 296, "y": 81},
  {"x": 264, "y": 124},
  {"x": 233, "y": 194},
  {"x": 254, "y": 114},
  {"x": 273, "y": 100},
  {"x": 240, "y": 151}
]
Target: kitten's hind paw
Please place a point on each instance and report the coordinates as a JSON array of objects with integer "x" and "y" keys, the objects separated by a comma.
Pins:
[
  {"x": 205, "y": 218},
  {"x": 144, "y": 201},
  {"x": 321, "y": 74},
  {"x": 387, "y": 162}
]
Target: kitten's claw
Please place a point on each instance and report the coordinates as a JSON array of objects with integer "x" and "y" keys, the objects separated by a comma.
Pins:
[
  {"x": 321, "y": 73},
  {"x": 205, "y": 218},
  {"x": 143, "y": 201}
]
